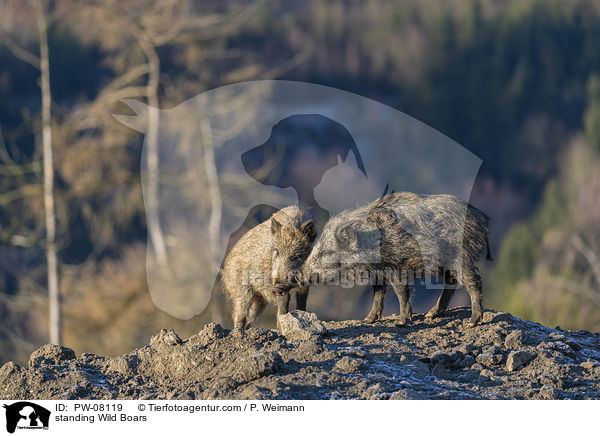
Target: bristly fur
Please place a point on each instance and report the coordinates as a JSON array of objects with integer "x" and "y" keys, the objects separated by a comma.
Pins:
[
  {"x": 271, "y": 251},
  {"x": 416, "y": 232}
]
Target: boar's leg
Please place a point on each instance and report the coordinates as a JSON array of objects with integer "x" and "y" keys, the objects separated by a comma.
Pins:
[
  {"x": 441, "y": 305},
  {"x": 283, "y": 306},
  {"x": 241, "y": 306},
  {"x": 256, "y": 308},
  {"x": 471, "y": 280},
  {"x": 403, "y": 293},
  {"x": 377, "y": 309},
  {"x": 301, "y": 297}
]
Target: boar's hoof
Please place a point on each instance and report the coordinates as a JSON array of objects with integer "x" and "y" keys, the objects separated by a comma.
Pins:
[
  {"x": 431, "y": 315},
  {"x": 238, "y": 332},
  {"x": 475, "y": 319},
  {"x": 371, "y": 318},
  {"x": 403, "y": 322}
]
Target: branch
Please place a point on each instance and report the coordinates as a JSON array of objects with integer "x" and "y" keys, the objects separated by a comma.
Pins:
[
  {"x": 19, "y": 52},
  {"x": 3, "y": 150},
  {"x": 227, "y": 26},
  {"x": 15, "y": 194},
  {"x": 192, "y": 24},
  {"x": 128, "y": 77},
  {"x": 19, "y": 170},
  {"x": 289, "y": 65}
]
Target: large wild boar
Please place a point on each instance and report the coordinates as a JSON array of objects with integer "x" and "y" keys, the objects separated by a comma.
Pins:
[
  {"x": 263, "y": 265},
  {"x": 397, "y": 236}
]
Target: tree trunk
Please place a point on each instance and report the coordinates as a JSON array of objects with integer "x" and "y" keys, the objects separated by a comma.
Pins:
[
  {"x": 214, "y": 223},
  {"x": 50, "y": 217},
  {"x": 152, "y": 160},
  {"x": 154, "y": 227},
  {"x": 216, "y": 210}
]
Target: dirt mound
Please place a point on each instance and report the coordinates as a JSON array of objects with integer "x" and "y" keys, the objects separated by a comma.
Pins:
[{"x": 504, "y": 357}]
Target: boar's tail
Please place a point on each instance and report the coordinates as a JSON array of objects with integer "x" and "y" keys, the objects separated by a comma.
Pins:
[{"x": 487, "y": 246}]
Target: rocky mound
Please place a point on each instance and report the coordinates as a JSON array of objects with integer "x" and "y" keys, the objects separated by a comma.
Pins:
[{"x": 502, "y": 358}]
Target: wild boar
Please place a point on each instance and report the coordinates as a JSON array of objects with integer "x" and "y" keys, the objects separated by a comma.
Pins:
[
  {"x": 402, "y": 234},
  {"x": 262, "y": 267}
]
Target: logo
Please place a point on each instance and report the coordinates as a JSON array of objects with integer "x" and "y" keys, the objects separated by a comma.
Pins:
[
  {"x": 26, "y": 415},
  {"x": 220, "y": 163}
]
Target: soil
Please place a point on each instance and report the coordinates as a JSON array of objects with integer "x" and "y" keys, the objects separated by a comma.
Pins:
[{"x": 502, "y": 358}]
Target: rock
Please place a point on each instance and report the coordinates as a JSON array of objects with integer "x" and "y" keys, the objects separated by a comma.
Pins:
[
  {"x": 456, "y": 357},
  {"x": 485, "y": 378},
  {"x": 125, "y": 365},
  {"x": 514, "y": 340},
  {"x": 419, "y": 367},
  {"x": 408, "y": 394},
  {"x": 492, "y": 349},
  {"x": 487, "y": 373},
  {"x": 360, "y": 352},
  {"x": 348, "y": 365},
  {"x": 7, "y": 370},
  {"x": 518, "y": 359},
  {"x": 91, "y": 358},
  {"x": 166, "y": 337},
  {"x": 466, "y": 348},
  {"x": 550, "y": 358},
  {"x": 212, "y": 331},
  {"x": 257, "y": 335},
  {"x": 440, "y": 358},
  {"x": 589, "y": 364},
  {"x": 501, "y": 316},
  {"x": 351, "y": 360},
  {"x": 469, "y": 376},
  {"x": 489, "y": 359},
  {"x": 547, "y": 393},
  {"x": 373, "y": 392},
  {"x": 440, "y": 371},
  {"x": 298, "y": 324},
  {"x": 50, "y": 354},
  {"x": 556, "y": 381},
  {"x": 557, "y": 346},
  {"x": 466, "y": 361},
  {"x": 188, "y": 395},
  {"x": 311, "y": 347},
  {"x": 257, "y": 366},
  {"x": 574, "y": 345}
]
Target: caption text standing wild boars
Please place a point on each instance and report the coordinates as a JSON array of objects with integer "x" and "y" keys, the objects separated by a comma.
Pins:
[
  {"x": 405, "y": 232},
  {"x": 263, "y": 265}
]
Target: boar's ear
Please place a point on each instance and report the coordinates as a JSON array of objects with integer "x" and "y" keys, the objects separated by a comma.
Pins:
[
  {"x": 275, "y": 227},
  {"x": 309, "y": 229},
  {"x": 382, "y": 217},
  {"x": 346, "y": 237},
  {"x": 139, "y": 121}
]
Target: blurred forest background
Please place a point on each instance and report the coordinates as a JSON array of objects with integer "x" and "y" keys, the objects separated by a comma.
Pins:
[{"x": 516, "y": 82}]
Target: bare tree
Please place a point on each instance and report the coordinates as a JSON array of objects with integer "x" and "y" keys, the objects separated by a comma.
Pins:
[
  {"x": 144, "y": 40},
  {"x": 50, "y": 216},
  {"x": 42, "y": 64}
]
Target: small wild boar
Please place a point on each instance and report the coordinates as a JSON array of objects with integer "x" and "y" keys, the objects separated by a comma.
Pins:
[
  {"x": 404, "y": 233},
  {"x": 264, "y": 265}
]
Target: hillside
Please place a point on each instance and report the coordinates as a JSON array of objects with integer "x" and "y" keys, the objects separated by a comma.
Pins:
[{"x": 503, "y": 358}]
